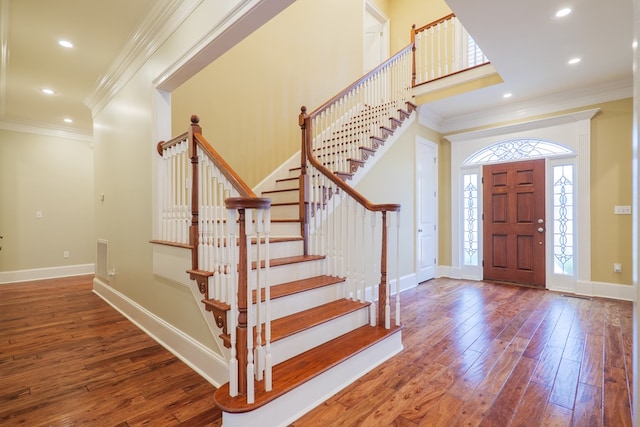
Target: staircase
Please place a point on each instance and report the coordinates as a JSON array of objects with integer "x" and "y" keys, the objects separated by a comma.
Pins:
[
  {"x": 295, "y": 278},
  {"x": 314, "y": 328}
]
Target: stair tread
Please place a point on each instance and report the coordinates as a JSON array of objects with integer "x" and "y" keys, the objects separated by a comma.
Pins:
[
  {"x": 297, "y": 286},
  {"x": 293, "y": 259},
  {"x": 281, "y": 190},
  {"x": 293, "y": 372},
  {"x": 306, "y": 319}
]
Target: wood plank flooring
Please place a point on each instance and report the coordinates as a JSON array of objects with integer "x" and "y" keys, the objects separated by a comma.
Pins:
[
  {"x": 483, "y": 354},
  {"x": 69, "y": 359},
  {"x": 476, "y": 354}
]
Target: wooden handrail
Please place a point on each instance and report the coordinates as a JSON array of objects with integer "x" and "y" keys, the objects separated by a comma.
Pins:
[
  {"x": 386, "y": 207},
  {"x": 163, "y": 145},
  {"x": 434, "y": 23},
  {"x": 357, "y": 82}
]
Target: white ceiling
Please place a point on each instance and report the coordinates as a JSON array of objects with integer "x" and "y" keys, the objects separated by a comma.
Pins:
[
  {"x": 528, "y": 47},
  {"x": 32, "y": 59}
]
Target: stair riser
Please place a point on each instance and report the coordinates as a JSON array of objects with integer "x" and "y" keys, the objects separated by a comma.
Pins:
[
  {"x": 280, "y": 249},
  {"x": 285, "y": 212},
  {"x": 290, "y": 304},
  {"x": 291, "y": 346},
  {"x": 285, "y": 229},
  {"x": 283, "y": 196},
  {"x": 290, "y": 272}
]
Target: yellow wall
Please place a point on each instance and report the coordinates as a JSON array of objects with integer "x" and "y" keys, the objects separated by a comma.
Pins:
[
  {"x": 611, "y": 153},
  {"x": 54, "y": 176},
  {"x": 405, "y": 13},
  {"x": 249, "y": 99}
]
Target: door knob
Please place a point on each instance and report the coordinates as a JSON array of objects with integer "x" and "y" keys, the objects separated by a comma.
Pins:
[
  {"x": 540, "y": 229},
  {"x": 419, "y": 230},
  {"x": 540, "y": 221}
]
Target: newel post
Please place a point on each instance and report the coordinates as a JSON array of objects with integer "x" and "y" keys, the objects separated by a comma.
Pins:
[
  {"x": 303, "y": 212},
  {"x": 382, "y": 287},
  {"x": 193, "y": 154},
  {"x": 243, "y": 282}
]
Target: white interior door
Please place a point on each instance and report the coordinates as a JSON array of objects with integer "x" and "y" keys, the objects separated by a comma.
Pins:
[
  {"x": 375, "y": 37},
  {"x": 427, "y": 209}
]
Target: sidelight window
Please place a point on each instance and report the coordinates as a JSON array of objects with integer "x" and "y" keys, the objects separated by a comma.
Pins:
[
  {"x": 470, "y": 220},
  {"x": 563, "y": 218}
]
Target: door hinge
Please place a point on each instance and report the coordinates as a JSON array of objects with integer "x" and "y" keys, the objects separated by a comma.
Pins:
[
  {"x": 483, "y": 263},
  {"x": 435, "y": 261}
]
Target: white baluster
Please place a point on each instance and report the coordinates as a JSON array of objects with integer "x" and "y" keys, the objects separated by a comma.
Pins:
[
  {"x": 250, "y": 373},
  {"x": 268, "y": 382},
  {"x": 233, "y": 302}
]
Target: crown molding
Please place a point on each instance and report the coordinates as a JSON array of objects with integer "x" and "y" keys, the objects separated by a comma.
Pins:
[
  {"x": 524, "y": 126},
  {"x": 560, "y": 101},
  {"x": 161, "y": 21},
  {"x": 43, "y": 129}
]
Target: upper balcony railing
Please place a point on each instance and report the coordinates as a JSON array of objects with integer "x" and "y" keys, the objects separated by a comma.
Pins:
[{"x": 442, "y": 48}]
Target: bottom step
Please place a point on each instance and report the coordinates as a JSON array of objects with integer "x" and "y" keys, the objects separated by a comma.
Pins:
[{"x": 305, "y": 381}]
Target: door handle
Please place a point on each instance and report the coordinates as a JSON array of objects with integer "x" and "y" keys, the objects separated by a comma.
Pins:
[
  {"x": 419, "y": 230},
  {"x": 540, "y": 230}
]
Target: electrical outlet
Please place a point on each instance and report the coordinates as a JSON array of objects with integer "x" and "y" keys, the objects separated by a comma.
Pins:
[
  {"x": 617, "y": 267},
  {"x": 65, "y": 254}
]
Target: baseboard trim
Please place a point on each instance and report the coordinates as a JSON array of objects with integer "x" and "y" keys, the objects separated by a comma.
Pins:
[
  {"x": 606, "y": 290},
  {"x": 200, "y": 358},
  {"x": 46, "y": 273},
  {"x": 586, "y": 288}
]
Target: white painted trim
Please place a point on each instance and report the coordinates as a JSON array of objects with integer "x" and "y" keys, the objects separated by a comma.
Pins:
[
  {"x": 603, "y": 290},
  {"x": 159, "y": 24},
  {"x": 524, "y": 126},
  {"x": 46, "y": 273},
  {"x": 406, "y": 282},
  {"x": 200, "y": 358},
  {"x": 44, "y": 129},
  {"x": 292, "y": 405},
  {"x": 538, "y": 106}
]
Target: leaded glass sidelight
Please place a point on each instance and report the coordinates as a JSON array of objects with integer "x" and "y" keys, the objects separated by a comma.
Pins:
[
  {"x": 563, "y": 217},
  {"x": 470, "y": 220}
]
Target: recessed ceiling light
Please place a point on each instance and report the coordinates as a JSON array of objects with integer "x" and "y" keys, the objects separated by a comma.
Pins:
[
  {"x": 573, "y": 61},
  {"x": 68, "y": 120},
  {"x": 65, "y": 43},
  {"x": 507, "y": 95},
  {"x": 47, "y": 91},
  {"x": 563, "y": 12}
]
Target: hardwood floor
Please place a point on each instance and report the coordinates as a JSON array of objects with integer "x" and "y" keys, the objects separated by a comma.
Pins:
[
  {"x": 69, "y": 359},
  {"x": 481, "y": 354},
  {"x": 475, "y": 354}
]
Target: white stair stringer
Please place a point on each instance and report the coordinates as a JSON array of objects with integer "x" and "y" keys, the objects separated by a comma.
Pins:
[{"x": 289, "y": 407}]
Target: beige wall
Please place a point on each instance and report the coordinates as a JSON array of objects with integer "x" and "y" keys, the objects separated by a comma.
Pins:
[
  {"x": 54, "y": 176},
  {"x": 249, "y": 99}
]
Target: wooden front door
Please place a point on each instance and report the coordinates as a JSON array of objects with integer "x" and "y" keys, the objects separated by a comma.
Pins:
[{"x": 513, "y": 222}]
